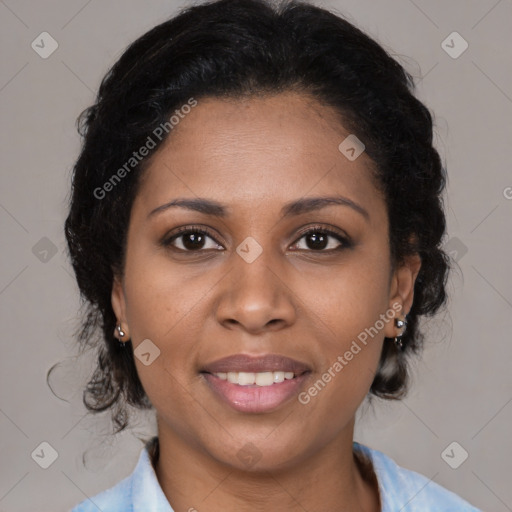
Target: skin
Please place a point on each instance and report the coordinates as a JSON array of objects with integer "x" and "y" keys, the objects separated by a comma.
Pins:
[{"x": 253, "y": 156}]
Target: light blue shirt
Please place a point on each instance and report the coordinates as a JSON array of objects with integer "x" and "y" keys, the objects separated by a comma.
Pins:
[{"x": 400, "y": 490}]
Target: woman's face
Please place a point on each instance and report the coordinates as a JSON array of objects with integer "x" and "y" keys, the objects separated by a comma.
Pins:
[{"x": 255, "y": 285}]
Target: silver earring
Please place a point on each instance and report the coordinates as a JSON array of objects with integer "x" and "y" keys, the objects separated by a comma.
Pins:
[
  {"x": 121, "y": 334},
  {"x": 398, "y": 339}
]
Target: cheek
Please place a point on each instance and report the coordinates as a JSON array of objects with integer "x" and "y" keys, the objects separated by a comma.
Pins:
[
  {"x": 345, "y": 300},
  {"x": 351, "y": 343},
  {"x": 347, "y": 310},
  {"x": 166, "y": 305},
  {"x": 160, "y": 296},
  {"x": 159, "y": 307}
]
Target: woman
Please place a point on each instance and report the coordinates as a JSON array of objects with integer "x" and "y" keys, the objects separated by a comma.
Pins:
[{"x": 255, "y": 222}]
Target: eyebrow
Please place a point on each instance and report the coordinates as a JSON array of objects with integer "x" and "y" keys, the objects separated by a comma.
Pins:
[{"x": 298, "y": 207}]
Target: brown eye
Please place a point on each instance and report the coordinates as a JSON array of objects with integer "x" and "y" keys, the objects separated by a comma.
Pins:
[
  {"x": 192, "y": 240},
  {"x": 323, "y": 240}
]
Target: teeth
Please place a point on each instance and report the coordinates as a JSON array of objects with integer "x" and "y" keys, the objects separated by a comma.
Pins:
[
  {"x": 246, "y": 379},
  {"x": 260, "y": 379},
  {"x": 264, "y": 379},
  {"x": 278, "y": 377}
]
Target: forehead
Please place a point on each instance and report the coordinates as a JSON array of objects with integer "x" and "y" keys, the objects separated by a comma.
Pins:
[{"x": 257, "y": 151}]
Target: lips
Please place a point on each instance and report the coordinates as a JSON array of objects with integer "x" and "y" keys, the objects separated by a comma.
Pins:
[
  {"x": 256, "y": 384},
  {"x": 256, "y": 364}
]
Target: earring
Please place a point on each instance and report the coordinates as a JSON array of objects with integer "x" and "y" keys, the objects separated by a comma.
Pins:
[
  {"x": 121, "y": 334},
  {"x": 398, "y": 339}
]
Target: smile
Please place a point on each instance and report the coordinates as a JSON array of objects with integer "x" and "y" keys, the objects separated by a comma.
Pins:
[
  {"x": 259, "y": 379},
  {"x": 255, "y": 383},
  {"x": 260, "y": 392}
]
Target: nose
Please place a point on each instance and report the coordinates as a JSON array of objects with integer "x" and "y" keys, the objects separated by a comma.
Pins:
[{"x": 256, "y": 297}]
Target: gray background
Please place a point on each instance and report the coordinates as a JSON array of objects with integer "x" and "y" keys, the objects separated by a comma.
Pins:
[{"x": 462, "y": 386}]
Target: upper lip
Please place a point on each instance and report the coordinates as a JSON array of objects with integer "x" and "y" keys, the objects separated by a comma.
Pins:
[{"x": 256, "y": 364}]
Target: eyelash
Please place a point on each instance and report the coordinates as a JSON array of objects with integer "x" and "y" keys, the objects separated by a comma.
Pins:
[{"x": 345, "y": 242}]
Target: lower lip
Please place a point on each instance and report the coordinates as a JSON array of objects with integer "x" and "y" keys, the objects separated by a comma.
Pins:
[{"x": 255, "y": 398}]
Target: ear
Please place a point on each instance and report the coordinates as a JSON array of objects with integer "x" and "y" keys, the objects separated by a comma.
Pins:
[
  {"x": 402, "y": 290},
  {"x": 119, "y": 302}
]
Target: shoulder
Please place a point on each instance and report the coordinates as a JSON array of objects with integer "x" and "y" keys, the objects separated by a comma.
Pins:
[
  {"x": 138, "y": 492},
  {"x": 408, "y": 491},
  {"x": 116, "y": 499}
]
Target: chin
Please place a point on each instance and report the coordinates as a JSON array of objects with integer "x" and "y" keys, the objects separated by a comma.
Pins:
[{"x": 257, "y": 456}]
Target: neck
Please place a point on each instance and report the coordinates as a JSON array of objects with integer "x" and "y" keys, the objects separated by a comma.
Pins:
[{"x": 332, "y": 478}]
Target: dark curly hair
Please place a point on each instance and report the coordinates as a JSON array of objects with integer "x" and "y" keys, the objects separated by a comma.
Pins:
[{"x": 232, "y": 49}]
